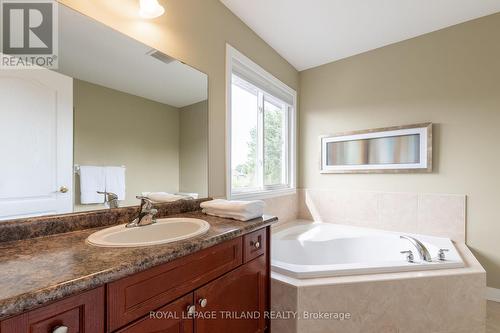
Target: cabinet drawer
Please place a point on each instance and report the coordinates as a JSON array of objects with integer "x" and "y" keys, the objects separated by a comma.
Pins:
[
  {"x": 171, "y": 318},
  {"x": 254, "y": 244},
  {"x": 133, "y": 297},
  {"x": 80, "y": 313}
]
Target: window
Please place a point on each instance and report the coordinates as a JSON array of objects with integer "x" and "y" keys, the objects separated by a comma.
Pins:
[{"x": 261, "y": 130}]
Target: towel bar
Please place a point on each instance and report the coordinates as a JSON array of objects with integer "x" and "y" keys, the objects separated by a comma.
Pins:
[{"x": 76, "y": 168}]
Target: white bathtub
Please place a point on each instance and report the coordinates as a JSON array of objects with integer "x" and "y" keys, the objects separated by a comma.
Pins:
[{"x": 310, "y": 250}]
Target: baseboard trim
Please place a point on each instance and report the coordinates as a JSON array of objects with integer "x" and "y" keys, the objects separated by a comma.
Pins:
[{"x": 493, "y": 294}]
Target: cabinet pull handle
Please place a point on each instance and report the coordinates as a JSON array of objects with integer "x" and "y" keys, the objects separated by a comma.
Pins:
[
  {"x": 256, "y": 244},
  {"x": 191, "y": 310},
  {"x": 60, "y": 329},
  {"x": 203, "y": 302}
]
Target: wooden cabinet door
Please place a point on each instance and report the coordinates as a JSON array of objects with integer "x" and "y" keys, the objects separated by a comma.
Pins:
[
  {"x": 172, "y": 318},
  {"x": 82, "y": 313},
  {"x": 231, "y": 298}
]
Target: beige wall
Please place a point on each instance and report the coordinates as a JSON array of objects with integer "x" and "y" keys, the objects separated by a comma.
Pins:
[
  {"x": 116, "y": 128},
  {"x": 450, "y": 77},
  {"x": 193, "y": 145},
  {"x": 196, "y": 32}
]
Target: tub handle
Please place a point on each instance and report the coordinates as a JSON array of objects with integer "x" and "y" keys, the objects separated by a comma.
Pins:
[
  {"x": 409, "y": 256},
  {"x": 442, "y": 254}
]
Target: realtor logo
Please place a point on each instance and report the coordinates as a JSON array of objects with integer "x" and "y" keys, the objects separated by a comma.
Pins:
[{"x": 29, "y": 34}]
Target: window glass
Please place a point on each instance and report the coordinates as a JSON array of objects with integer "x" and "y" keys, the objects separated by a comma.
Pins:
[
  {"x": 274, "y": 143},
  {"x": 244, "y": 154}
]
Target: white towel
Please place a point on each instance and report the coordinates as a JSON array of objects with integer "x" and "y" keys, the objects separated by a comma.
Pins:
[
  {"x": 234, "y": 205},
  {"x": 238, "y": 210},
  {"x": 235, "y": 216},
  {"x": 163, "y": 196},
  {"x": 189, "y": 195},
  {"x": 92, "y": 179},
  {"x": 115, "y": 181}
]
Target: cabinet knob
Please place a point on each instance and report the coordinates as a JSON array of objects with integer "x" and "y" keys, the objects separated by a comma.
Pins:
[
  {"x": 203, "y": 302},
  {"x": 60, "y": 329},
  {"x": 63, "y": 189},
  {"x": 191, "y": 310},
  {"x": 256, "y": 244}
]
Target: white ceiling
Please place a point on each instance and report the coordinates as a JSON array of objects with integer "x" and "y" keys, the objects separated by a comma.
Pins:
[
  {"x": 93, "y": 52},
  {"x": 309, "y": 33}
]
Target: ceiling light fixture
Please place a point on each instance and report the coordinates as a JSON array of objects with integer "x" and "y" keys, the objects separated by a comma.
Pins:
[{"x": 150, "y": 9}]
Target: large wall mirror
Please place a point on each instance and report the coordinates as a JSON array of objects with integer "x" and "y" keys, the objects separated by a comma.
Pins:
[{"x": 116, "y": 116}]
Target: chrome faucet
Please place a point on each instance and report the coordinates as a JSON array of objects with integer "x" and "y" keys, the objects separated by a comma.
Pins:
[
  {"x": 110, "y": 199},
  {"x": 422, "y": 250},
  {"x": 146, "y": 214}
]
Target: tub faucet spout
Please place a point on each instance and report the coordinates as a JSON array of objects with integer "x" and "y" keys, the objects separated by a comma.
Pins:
[{"x": 422, "y": 250}]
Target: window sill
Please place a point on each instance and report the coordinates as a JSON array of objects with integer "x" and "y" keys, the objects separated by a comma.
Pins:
[{"x": 263, "y": 194}]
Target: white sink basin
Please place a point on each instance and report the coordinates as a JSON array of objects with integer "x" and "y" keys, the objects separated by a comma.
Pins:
[{"x": 163, "y": 231}]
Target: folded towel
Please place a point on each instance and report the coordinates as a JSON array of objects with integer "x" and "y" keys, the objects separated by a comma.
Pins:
[
  {"x": 188, "y": 195},
  {"x": 115, "y": 181},
  {"x": 92, "y": 179},
  {"x": 163, "y": 196},
  {"x": 236, "y": 206},
  {"x": 238, "y": 210},
  {"x": 234, "y": 216}
]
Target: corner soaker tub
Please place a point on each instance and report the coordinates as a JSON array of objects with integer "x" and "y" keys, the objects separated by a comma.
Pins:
[{"x": 318, "y": 249}]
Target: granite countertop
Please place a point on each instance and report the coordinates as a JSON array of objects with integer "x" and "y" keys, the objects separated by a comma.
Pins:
[{"x": 40, "y": 270}]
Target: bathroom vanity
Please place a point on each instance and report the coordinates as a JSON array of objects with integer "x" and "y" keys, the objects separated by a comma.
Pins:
[{"x": 215, "y": 281}]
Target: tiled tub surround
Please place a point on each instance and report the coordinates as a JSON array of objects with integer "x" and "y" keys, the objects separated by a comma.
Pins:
[
  {"x": 35, "y": 271},
  {"x": 441, "y": 215},
  {"x": 441, "y": 301},
  {"x": 285, "y": 207}
]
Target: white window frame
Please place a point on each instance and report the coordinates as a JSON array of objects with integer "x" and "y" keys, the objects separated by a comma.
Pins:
[{"x": 269, "y": 191}]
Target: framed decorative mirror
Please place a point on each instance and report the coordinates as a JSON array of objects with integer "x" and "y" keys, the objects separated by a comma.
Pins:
[{"x": 382, "y": 150}]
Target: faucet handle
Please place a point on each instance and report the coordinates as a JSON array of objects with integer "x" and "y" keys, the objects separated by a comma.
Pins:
[
  {"x": 146, "y": 203},
  {"x": 442, "y": 254},
  {"x": 109, "y": 195},
  {"x": 110, "y": 199},
  {"x": 409, "y": 256},
  {"x": 142, "y": 197}
]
